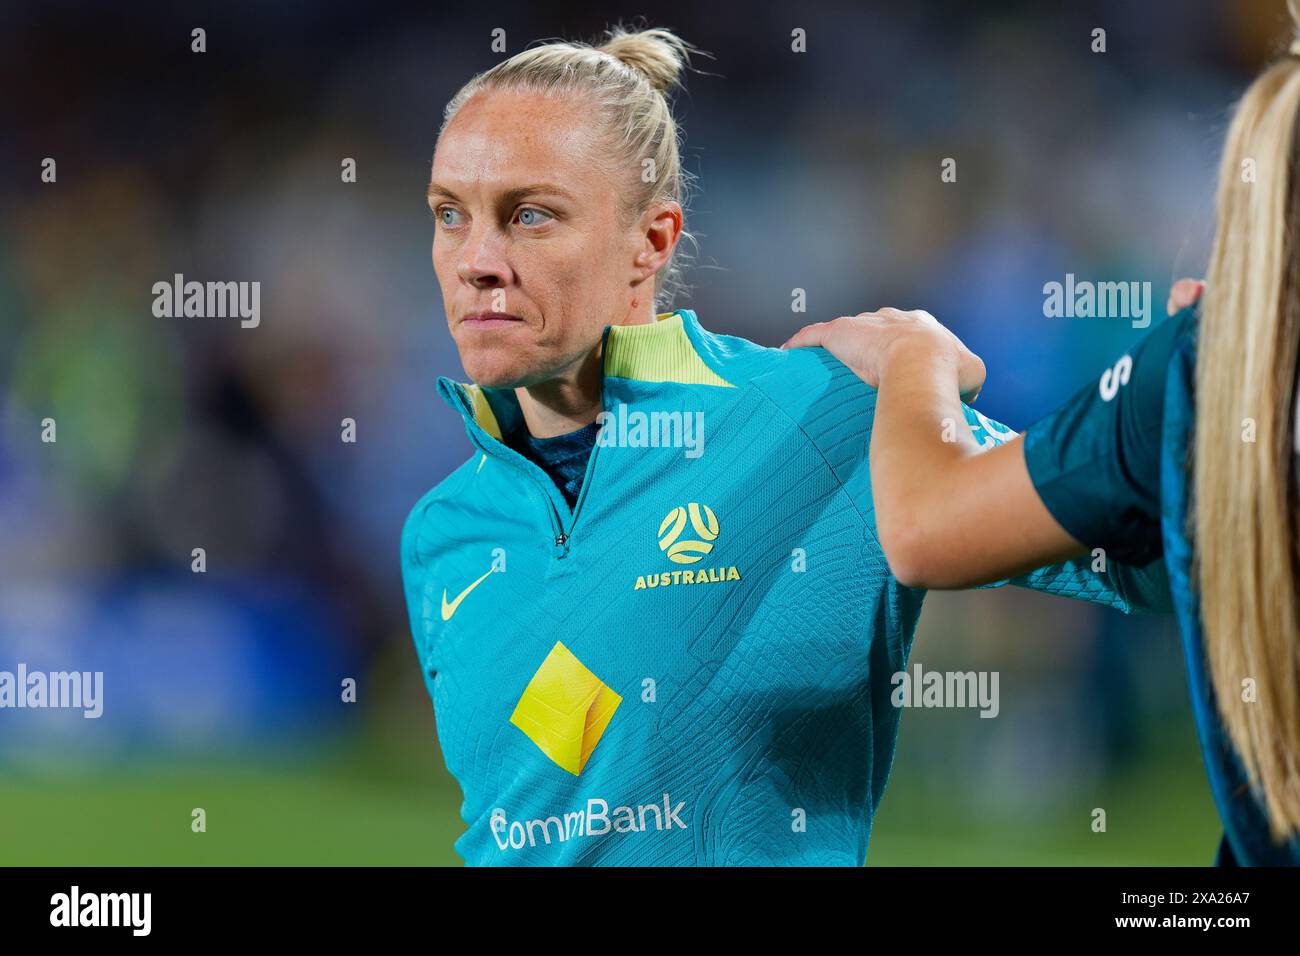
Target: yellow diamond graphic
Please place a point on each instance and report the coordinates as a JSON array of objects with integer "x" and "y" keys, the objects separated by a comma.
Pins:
[{"x": 565, "y": 709}]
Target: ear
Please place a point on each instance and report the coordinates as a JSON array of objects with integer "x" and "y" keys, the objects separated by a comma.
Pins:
[{"x": 661, "y": 227}]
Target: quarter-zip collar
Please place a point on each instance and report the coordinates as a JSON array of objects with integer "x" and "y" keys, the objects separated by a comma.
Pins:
[{"x": 666, "y": 350}]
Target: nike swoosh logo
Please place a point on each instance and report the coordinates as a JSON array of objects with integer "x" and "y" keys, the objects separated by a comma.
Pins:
[{"x": 449, "y": 609}]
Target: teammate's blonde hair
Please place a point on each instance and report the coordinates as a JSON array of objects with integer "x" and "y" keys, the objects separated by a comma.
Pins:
[
  {"x": 625, "y": 80},
  {"x": 1247, "y": 544}
]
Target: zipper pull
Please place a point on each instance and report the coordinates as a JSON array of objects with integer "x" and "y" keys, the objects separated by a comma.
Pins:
[{"x": 561, "y": 544}]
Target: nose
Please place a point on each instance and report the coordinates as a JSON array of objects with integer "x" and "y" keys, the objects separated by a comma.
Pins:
[{"x": 483, "y": 263}]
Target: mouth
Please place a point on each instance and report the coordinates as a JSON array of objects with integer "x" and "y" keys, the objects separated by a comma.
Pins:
[{"x": 489, "y": 320}]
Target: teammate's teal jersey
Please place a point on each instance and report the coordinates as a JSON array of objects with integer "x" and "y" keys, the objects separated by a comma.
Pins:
[
  {"x": 1112, "y": 465},
  {"x": 694, "y": 665}
]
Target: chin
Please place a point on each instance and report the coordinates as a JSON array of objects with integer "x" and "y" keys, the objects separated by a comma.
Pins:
[{"x": 494, "y": 370}]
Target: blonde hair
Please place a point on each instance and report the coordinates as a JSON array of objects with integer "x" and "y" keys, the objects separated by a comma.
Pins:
[
  {"x": 1246, "y": 531},
  {"x": 626, "y": 79}
]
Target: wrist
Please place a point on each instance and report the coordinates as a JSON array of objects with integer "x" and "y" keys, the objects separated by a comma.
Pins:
[{"x": 919, "y": 354}]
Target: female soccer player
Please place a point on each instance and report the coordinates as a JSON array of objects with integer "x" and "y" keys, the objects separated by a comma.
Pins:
[
  {"x": 1184, "y": 448},
  {"x": 651, "y": 609}
]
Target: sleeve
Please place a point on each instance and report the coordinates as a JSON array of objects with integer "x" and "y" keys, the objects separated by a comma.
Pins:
[
  {"x": 413, "y": 582},
  {"x": 1095, "y": 461},
  {"x": 1127, "y": 586},
  {"x": 418, "y": 550}
]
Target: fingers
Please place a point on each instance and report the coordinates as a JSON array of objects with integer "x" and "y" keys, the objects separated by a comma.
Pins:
[
  {"x": 973, "y": 393},
  {"x": 818, "y": 332},
  {"x": 807, "y": 337},
  {"x": 1184, "y": 293}
]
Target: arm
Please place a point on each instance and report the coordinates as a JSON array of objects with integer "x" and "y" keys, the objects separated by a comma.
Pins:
[
  {"x": 1091, "y": 477},
  {"x": 1092, "y": 577},
  {"x": 937, "y": 522}
]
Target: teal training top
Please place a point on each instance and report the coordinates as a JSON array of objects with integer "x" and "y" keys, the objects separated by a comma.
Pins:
[{"x": 693, "y": 664}]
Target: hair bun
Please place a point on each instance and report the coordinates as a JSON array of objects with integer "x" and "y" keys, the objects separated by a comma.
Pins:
[{"x": 657, "y": 54}]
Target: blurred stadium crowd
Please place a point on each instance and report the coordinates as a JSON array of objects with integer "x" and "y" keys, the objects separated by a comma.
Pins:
[{"x": 817, "y": 171}]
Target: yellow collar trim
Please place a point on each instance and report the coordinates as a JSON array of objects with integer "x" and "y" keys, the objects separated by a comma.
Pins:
[
  {"x": 483, "y": 414},
  {"x": 659, "y": 351}
]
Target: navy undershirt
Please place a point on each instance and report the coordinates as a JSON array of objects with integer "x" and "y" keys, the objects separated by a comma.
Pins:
[{"x": 563, "y": 457}]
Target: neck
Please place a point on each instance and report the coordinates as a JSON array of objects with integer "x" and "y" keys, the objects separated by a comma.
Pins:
[
  {"x": 566, "y": 403},
  {"x": 572, "y": 399}
]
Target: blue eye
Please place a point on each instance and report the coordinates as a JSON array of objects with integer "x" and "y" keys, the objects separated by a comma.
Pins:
[
  {"x": 444, "y": 212},
  {"x": 534, "y": 213}
]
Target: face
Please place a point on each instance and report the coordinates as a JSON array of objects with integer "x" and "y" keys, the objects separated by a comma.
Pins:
[{"x": 531, "y": 251}]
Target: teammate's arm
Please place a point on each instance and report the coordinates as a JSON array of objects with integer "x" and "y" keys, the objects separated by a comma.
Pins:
[
  {"x": 1121, "y": 584},
  {"x": 953, "y": 514}
]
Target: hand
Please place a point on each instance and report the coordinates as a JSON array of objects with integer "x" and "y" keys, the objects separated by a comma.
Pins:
[
  {"x": 1184, "y": 293},
  {"x": 867, "y": 341}
]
